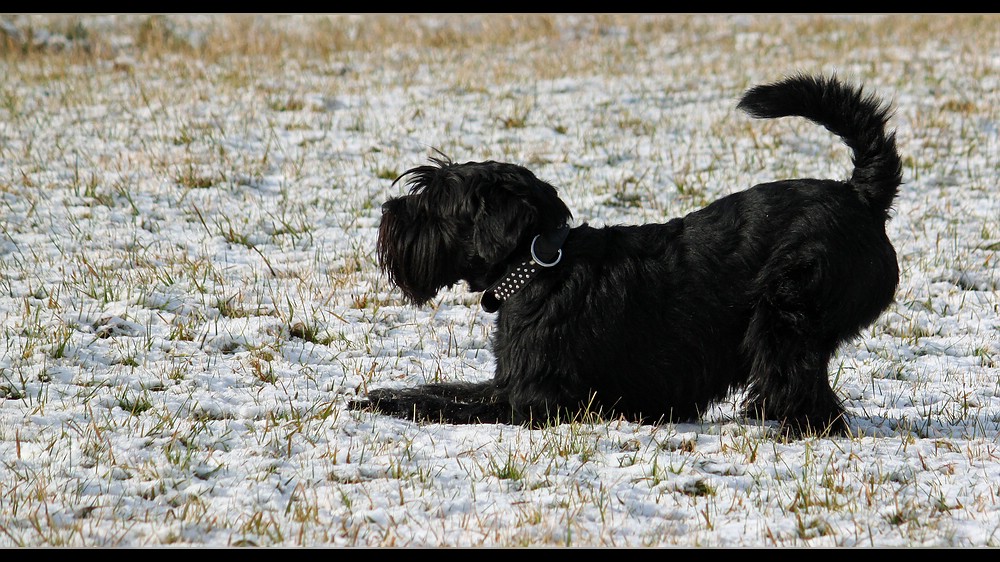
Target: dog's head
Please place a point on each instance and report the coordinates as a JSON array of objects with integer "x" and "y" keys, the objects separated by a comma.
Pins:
[{"x": 462, "y": 222}]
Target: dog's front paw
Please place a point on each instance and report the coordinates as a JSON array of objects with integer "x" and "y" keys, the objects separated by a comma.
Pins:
[
  {"x": 359, "y": 404},
  {"x": 383, "y": 400}
]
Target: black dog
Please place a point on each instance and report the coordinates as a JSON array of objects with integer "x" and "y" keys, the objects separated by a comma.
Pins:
[{"x": 655, "y": 322}]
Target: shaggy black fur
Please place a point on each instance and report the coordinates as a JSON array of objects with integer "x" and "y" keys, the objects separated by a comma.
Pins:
[{"x": 655, "y": 322}]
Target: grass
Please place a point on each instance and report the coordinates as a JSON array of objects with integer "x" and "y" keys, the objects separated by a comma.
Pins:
[{"x": 189, "y": 291}]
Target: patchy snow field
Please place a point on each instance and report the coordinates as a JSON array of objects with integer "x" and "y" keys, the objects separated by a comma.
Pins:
[{"x": 189, "y": 293}]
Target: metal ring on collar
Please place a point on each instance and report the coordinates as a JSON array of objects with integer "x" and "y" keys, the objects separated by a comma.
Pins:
[{"x": 540, "y": 262}]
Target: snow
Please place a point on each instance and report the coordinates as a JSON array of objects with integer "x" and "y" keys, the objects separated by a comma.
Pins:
[{"x": 189, "y": 292}]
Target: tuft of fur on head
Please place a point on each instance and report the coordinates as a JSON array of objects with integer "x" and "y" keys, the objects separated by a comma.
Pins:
[{"x": 462, "y": 221}]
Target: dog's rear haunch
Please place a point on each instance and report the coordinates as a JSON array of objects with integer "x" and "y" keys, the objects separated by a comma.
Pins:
[{"x": 655, "y": 322}]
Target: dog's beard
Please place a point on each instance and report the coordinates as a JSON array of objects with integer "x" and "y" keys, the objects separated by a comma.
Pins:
[{"x": 414, "y": 256}]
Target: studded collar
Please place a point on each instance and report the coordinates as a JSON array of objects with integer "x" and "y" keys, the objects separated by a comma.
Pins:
[{"x": 545, "y": 252}]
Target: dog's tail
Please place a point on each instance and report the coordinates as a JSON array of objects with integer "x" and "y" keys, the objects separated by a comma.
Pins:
[{"x": 858, "y": 119}]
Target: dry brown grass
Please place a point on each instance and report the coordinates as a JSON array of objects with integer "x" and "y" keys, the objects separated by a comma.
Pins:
[{"x": 283, "y": 37}]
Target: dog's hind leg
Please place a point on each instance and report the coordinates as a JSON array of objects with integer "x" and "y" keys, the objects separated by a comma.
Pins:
[
  {"x": 791, "y": 384},
  {"x": 457, "y": 403},
  {"x": 789, "y": 355}
]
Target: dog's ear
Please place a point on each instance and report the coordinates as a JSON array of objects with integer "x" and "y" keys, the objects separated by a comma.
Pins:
[
  {"x": 500, "y": 224},
  {"x": 512, "y": 210}
]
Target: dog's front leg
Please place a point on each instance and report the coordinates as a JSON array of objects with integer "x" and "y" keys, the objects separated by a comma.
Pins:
[{"x": 458, "y": 403}]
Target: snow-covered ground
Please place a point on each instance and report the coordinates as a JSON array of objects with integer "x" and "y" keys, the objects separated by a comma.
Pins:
[{"x": 189, "y": 292}]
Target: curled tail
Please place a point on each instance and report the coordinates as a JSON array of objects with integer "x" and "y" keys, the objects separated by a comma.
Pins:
[{"x": 858, "y": 119}]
